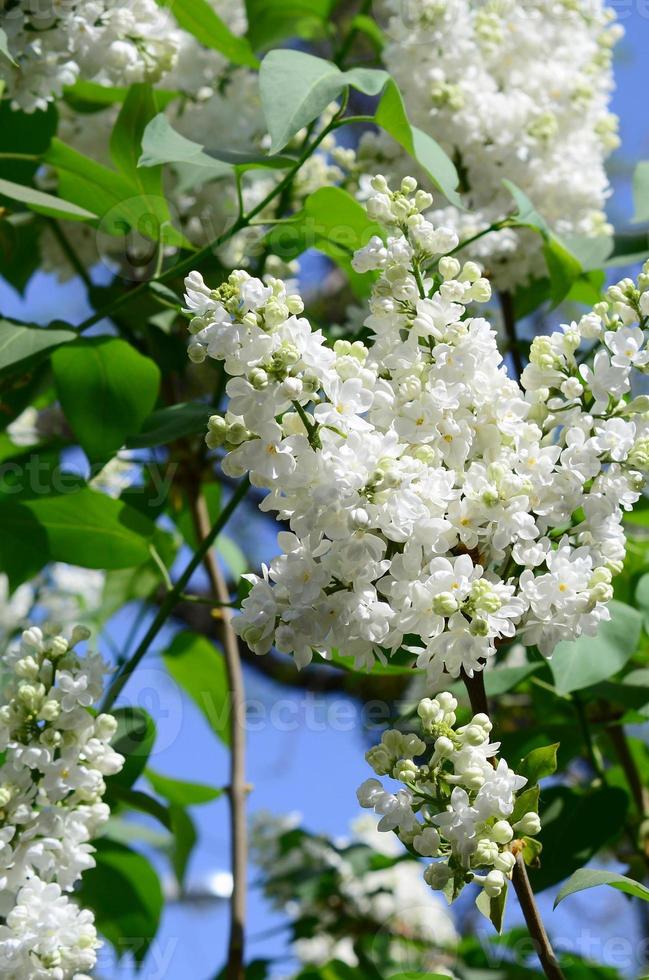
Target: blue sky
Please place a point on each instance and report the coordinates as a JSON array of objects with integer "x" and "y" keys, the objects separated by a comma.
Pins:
[{"x": 300, "y": 763}]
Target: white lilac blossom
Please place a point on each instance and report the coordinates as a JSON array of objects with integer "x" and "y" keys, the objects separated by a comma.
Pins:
[
  {"x": 56, "y": 755},
  {"x": 459, "y": 806},
  {"x": 393, "y": 898},
  {"x": 54, "y": 45},
  {"x": 510, "y": 89},
  {"x": 435, "y": 505}
]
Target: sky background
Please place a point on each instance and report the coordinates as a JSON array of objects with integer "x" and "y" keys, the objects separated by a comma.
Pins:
[{"x": 310, "y": 760}]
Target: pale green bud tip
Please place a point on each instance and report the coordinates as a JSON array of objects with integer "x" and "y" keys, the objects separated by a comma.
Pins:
[{"x": 530, "y": 824}]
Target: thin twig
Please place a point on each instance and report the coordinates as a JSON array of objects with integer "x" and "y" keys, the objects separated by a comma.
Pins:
[
  {"x": 237, "y": 790},
  {"x": 477, "y": 696},
  {"x": 534, "y": 921},
  {"x": 192, "y": 260},
  {"x": 173, "y": 598},
  {"x": 509, "y": 319},
  {"x": 618, "y": 737}
]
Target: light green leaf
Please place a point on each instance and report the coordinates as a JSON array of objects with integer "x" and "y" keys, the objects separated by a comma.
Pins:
[
  {"x": 162, "y": 144},
  {"x": 198, "y": 667},
  {"x": 591, "y": 659},
  {"x": 107, "y": 389},
  {"x": 538, "y": 764},
  {"x": 179, "y": 791},
  {"x": 493, "y": 908},
  {"x": 39, "y": 201},
  {"x": 526, "y": 802},
  {"x": 591, "y": 878},
  {"x": 369, "y": 27},
  {"x": 124, "y": 892},
  {"x": 391, "y": 116},
  {"x": 4, "y": 47},
  {"x": 296, "y": 88},
  {"x": 641, "y": 191},
  {"x": 135, "y": 799},
  {"x": 201, "y": 20},
  {"x": 22, "y": 345}
]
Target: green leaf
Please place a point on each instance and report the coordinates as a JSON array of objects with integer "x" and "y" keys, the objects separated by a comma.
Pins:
[
  {"x": 526, "y": 802},
  {"x": 270, "y": 21},
  {"x": 107, "y": 389},
  {"x": 134, "y": 739},
  {"x": 39, "y": 201},
  {"x": 162, "y": 144},
  {"x": 184, "y": 840},
  {"x": 135, "y": 799},
  {"x": 139, "y": 109},
  {"x": 583, "y": 662},
  {"x": 116, "y": 199},
  {"x": 167, "y": 424},
  {"x": 4, "y": 47},
  {"x": 180, "y": 792},
  {"x": 22, "y": 345},
  {"x": 538, "y": 764},
  {"x": 641, "y": 191},
  {"x": 197, "y": 666},
  {"x": 629, "y": 249},
  {"x": 592, "y": 878},
  {"x": 32, "y": 132},
  {"x": 81, "y": 527},
  {"x": 493, "y": 908},
  {"x": 391, "y": 116},
  {"x": 369, "y": 27},
  {"x": 563, "y": 266},
  {"x": 124, "y": 892},
  {"x": 201, "y": 20},
  {"x": 296, "y": 88},
  {"x": 574, "y": 827},
  {"x": 333, "y": 222}
]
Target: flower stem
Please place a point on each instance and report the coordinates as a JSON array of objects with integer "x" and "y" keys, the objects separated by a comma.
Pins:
[
  {"x": 173, "y": 597},
  {"x": 238, "y": 789},
  {"x": 477, "y": 696}
]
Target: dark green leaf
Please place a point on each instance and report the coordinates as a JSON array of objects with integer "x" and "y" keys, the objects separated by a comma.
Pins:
[
  {"x": 31, "y": 132},
  {"x": 135, "y": 738},
  {"x": 81, "y": 527},
  {"x": 574, "y": 827},
  {"x": 184, "y": 840},
  {"x": 201, "y": 20},
  {"x": 270, "y": 21},
  {"x": 198, "y": 667},
  {"x": 106, "y": 389},
  {"x": 135, "y": 799},
  {"x": 125, "y": 894},
  {"x": 167, "y": 424}
]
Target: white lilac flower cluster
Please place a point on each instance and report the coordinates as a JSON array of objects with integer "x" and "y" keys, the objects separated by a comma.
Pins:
[
  {"x": 357, "y": 897},
  {"x": 55, "y": 44},
  {"x": 434, "y": 505},
  {"x": 56, "y": 755},
  {"x": 515, "y": 90},
  {"x": 458, "y": 806}
]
